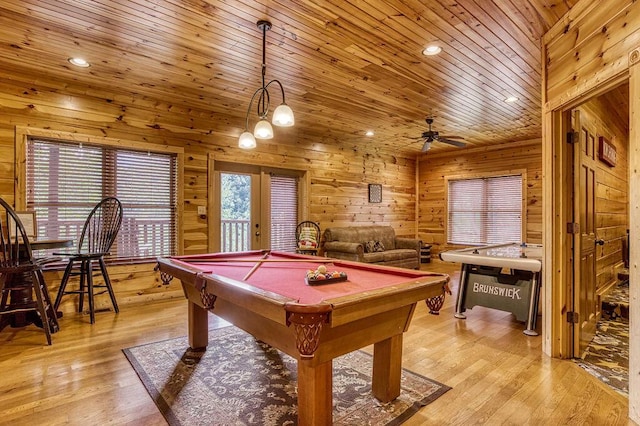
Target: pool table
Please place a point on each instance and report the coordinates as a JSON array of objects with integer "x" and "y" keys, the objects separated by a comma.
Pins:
[{"x": 265, "y": 293}]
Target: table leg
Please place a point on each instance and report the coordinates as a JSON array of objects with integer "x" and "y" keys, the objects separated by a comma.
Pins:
[
  {"x": 533, "y": 306},
  {"x": 198, "y": 326},
  {"x": 462, "y": 292},
  {"x": 315, "y": 399},
  {"x": 387, "y": 368}
]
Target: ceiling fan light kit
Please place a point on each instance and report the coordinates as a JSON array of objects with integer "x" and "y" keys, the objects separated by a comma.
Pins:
[
  {"x": 431, "y": 136},
  {"x": 282, "y": 115}
]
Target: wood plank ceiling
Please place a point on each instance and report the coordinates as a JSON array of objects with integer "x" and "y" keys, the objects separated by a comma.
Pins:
[{"x": 347, "y": 65}]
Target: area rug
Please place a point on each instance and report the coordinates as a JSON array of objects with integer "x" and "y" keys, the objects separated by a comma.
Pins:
[
  {"x": 607, "y": 356},
  {"x": 241, "y": 381}
]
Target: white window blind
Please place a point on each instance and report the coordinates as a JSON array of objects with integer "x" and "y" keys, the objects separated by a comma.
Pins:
[
  {"x": 66, "y": 180},
  {"x": 284, "y": 212},
  {"x": 485, "y": 211}
]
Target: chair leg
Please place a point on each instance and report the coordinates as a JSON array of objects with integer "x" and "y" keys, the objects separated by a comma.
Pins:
[
  {"x": 51, "y": 313},
  {"x": 83, "y": 274},
  {"x": 38, "y": 286},
  {"x": 89, "y": 271},
  {"x": 63, "y": 285},
  {"x": 5, "y": 293},
  {"x": 107, "y": 282}
]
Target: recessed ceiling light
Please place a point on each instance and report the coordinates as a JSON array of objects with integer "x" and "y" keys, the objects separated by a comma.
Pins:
[
  {"x": 369, "y": 133},
  {"x": 511, "y": 99},
  {"x": 432, "y": 49},
  {"x": 79, "y": 62}
]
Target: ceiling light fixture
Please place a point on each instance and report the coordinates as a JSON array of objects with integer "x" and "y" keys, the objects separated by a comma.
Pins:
[
  {"x": 369, "y": 133},
  {"x": 511, "y": 99},
  {"x": 282, "y": 115},
  {"x": 432, "y": 49},
  {"x": 79, "y": 62}
]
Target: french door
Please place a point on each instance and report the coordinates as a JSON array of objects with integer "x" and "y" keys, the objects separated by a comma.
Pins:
[{"x": 254, "y": 208}]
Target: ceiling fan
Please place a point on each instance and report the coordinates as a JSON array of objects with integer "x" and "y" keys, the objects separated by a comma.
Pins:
[{"x": 430, "y": 136}]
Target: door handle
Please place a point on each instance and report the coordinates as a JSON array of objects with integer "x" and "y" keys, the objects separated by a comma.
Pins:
[{"x": 599, "y": 242}]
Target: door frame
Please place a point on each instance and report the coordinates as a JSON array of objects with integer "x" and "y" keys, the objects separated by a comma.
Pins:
[
  {"x": 220, "y": 163},
  {"x": 557, "y": 331}
]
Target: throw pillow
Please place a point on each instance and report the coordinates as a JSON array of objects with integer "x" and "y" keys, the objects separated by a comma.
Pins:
[
  {"x": 307, "y": 238},
  {"x": 368, "y": 246},
  {"x": 373, "y": 246}
]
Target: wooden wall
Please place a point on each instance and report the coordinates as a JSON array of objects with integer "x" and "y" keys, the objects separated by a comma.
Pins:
[
  {"x": 339, "y": 173},
  {"x": 432, "y": 189},
  {"x": 589, "y": 51}
]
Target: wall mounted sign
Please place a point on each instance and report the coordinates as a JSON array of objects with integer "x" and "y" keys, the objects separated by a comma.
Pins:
[
  {"x": 607, "y": 152},
  {"x": 375, "y": 193}
]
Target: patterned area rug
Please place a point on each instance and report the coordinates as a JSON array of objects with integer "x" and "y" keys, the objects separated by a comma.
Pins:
[
  {"x": 242, "y": 381},
  {"x": 607, "y": 356}
]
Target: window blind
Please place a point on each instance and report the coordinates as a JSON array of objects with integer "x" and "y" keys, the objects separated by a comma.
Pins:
[
  {"x": 485, "y": 211},
  {"x": 66, "y": 180},
  {"x": 284, "y": 212}
]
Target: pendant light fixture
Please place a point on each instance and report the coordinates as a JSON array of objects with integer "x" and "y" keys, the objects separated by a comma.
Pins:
[{"x": 282, "y": 116}]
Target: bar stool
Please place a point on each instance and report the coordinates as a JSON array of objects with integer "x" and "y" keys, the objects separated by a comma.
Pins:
[{"x": 98, "y": 235}]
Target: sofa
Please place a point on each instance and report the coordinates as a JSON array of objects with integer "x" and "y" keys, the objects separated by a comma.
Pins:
[{"x": 371, "y": 244}]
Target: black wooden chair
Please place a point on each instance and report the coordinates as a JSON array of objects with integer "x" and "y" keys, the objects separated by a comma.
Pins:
[
  {"x": 307, "y": 237},
  {"x": 98, "y": 235},
  {"x": 21, "y": 276}
]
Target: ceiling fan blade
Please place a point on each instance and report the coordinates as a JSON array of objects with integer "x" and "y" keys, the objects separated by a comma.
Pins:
[{"x": 454, "y": 143}]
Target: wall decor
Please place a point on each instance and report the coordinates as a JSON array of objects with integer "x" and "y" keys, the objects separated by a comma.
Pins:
[
  {"x": 607, "y": 152},
  {"x": 375, "y": 193}
]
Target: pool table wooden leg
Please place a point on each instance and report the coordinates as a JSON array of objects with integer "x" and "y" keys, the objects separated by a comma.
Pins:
[
  {"x": 315, "y": 399},
  {"x": 198, "y": 326},
  {"x": 387, "y": 368}
]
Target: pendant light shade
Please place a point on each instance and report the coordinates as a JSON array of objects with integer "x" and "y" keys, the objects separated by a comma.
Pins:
[
  {"x": 283, "y": 114},
  {"x": 247, "y": 141},
  {"x": 263, "y": 130}
]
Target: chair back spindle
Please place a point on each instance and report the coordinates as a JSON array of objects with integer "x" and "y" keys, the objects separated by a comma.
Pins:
[
  {"x": 101, "y": 227},
  {"x": 14, "y": 242}
]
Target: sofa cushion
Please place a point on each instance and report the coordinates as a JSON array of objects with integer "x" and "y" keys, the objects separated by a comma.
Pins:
[
  {"x": 398, "y": 254},
  {"x": 346, "y": 234},
  {"x": 376, "y": 257}
]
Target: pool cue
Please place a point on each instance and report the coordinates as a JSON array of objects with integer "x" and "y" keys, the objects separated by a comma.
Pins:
[
  {"x": 318, "y": 260},
  {"x": 256, "y": 266}
]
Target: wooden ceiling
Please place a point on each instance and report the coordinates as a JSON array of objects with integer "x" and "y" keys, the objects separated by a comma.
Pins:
[{"x": 347, "y": 65}]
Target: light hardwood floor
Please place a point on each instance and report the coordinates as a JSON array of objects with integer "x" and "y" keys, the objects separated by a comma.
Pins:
[{"x": 498, "y": 375}]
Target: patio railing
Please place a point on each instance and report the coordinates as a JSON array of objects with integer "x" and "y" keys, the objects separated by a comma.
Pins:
[{"x": 235, "y": 235}]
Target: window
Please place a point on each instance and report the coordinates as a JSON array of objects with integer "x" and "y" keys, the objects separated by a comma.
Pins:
[
  {"x": 284, "y": 212},
  {"x": 65, "y": 180},
  {"x": 485, "y": 210}
]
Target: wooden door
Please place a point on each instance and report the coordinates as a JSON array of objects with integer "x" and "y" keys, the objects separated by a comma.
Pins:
[{"x": 584, "y": 192}]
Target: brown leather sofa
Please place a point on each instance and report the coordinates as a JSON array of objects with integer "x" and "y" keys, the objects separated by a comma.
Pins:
[{"x": 371, "y": 244}]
